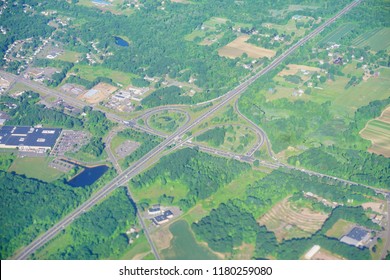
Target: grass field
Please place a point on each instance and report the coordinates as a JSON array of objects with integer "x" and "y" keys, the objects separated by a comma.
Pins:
[
  {"x": 239, "y": 46},
  {"x": 166, "y": 121},
  {"x": 35, "y": 167},
  {"x": 138, "y": 250},
  {"x": 292, "y": 69},
  {"x": 69, "y": 56},
  {"x": 92, "y": 72},
  {"x": 340, "y": 228},
  {"x": 172, "y": 188},
  {"x": 346, "y": 102},
  {"x": 288, "y": 222},
  {"x": 377, "y": 39},
  {"x": 378, "y": 132},
  {"x": 184, "y": 246},
  {"x": 337, "y": 34}
]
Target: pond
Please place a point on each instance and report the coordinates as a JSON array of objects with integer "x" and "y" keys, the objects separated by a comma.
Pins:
[
  {"x": 120, "y": 42},
  {"x": 184, "y": 246},
  {"x": 88, "y": 176}
]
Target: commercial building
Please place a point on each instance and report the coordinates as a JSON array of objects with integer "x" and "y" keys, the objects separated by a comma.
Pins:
[
  {"x": 27, "y": 138},
  {"x": 356, "y": 237}
]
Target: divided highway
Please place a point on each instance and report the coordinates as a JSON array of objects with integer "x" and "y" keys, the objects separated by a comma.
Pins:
[{"x": 155, "y": 154}]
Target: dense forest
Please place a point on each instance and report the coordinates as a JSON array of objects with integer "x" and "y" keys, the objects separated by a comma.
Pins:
[
  {"x": 100, "y": 233},
  {"x": 357, "y": 166},
  {"x": 202, "y": 173},
  {"x": 29, "y": 207}
]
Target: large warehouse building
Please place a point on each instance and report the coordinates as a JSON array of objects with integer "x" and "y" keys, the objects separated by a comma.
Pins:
[{"x": 27, "y": 138}]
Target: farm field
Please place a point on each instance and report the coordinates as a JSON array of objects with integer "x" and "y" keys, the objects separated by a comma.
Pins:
[
  {"x": 340, "y": 228},
  {"x": 377, "y": 39},
  {"x": 35, "y": 167},
  {"x": 337, "y": 34},
  {"x": 184, "y": 246},
  {"x": 239, "y": 46},
  {"x": 292, "y": 69},
  {"x": 346, "y": 101},
  {"x": 378, "y": 132},
  {"x": 287, "y": 222}
]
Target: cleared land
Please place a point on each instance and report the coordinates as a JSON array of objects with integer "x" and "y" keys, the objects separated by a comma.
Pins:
[
  {"x": 98, "y": 93},
  {"x": 325, "y": 255},
  {"x": 346, "y": 102},
  {"x": 90, "y": 73},
  {"x": 36, "y": 167},
  {"x": 293, "y": 69},
  {"x": 287, "y": 222},
  {"x": 378, "y": 132},
  {"x": 340, "y": 228},
  {"x": 239, "y": 46},
  {"x": 377, "y": 39}
]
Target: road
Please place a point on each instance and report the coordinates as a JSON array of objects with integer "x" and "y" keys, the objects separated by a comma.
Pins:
[
  {"x": 386, "y": 249},
  {"x": 110, "y": 154},
  {"x": 153, "y": 155}
]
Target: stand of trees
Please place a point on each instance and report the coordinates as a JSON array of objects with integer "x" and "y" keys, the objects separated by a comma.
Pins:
[
  {"x": 202, "y": 173},
  {"x": 100, "y": 233},
  {"x": 215, "y": 136}
]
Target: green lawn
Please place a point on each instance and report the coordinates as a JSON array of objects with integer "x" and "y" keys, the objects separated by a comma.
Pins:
[
  {"x": 35, "y": 167},
  {"x": 167, "y": 121},
  {"x": 340, "y": 228},
  {"x": 69, "y": 56},
  {"x": 58, "y": 243},
  {"x": 86, "y": 157}
]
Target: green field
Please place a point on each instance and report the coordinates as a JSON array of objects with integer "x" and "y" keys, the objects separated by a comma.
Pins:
[
  {"x": 69, "y": 56},
  {"x": 184, "y": 246},
  {"x": 339, "y": 229},
  {"x": 92, "y": 72},
  {"x": 35, "y": 167},
  {"x": 346, "y": 101},
  {"x": 138, "y": 250},
  {"x": 167, "y": 121},
  {"x": 377, "y": 39},
  {"x": 171, "y": 188},
  {"x": 337, "y": 34}
]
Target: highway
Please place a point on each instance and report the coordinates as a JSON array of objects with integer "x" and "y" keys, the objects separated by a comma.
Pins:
[{"x": 154, "y": 154}]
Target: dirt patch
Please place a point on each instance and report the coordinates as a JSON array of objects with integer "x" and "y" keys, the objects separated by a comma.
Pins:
[
  {"x": 378, "y": 132},
  {"x": 140, "y": 256},
  {"x": 287, "y": 222},
  {"x": 324, "y": 255},
  {"x": 162, "y": 238},
  {"x": 98, "y": 93},
  {"x": 246, "y": 252},
  {"x": 375, "y": 206},
  {"x": 293, "y": 69},
  {"x": 239, "y": 46}
]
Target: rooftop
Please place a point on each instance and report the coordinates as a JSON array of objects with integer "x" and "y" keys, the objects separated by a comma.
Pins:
[{"x": 28, "y": 136}]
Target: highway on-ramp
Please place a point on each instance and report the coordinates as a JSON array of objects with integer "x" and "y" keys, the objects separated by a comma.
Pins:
[{"x": 154, "y": 154}]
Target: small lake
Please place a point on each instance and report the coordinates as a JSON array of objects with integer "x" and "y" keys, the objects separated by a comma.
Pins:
[
  {"x": 184, "y": 246},
  {"x": 120, "y": 42},
  {"x": 101, "y": 2},
  {"x": 88, "y": 176}
]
